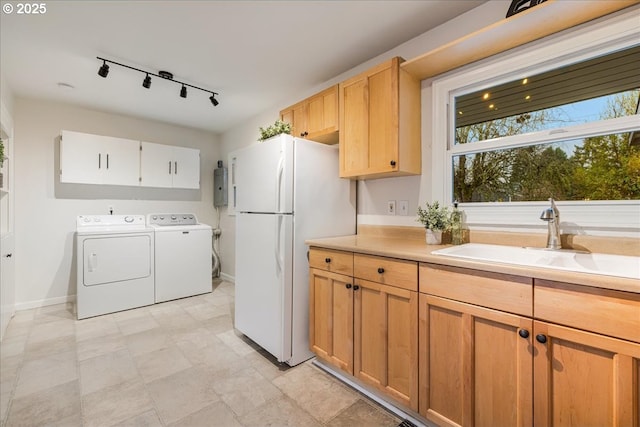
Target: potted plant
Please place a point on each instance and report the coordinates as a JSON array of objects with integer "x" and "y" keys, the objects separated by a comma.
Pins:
[
  {"x": 435, "y": 219},
  {"x": 275, "y": 129}
]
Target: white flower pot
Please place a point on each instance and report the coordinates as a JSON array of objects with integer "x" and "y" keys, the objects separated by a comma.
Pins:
[{"x": 434, "y": 237}]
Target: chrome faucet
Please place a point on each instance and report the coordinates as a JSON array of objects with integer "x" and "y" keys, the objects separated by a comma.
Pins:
[{"x": 552, "y": 216}]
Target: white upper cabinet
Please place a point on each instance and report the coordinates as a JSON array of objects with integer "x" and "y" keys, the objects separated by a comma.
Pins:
[
  {"x": 96, "y": 159},
  {"x": 169, "y": 166}
]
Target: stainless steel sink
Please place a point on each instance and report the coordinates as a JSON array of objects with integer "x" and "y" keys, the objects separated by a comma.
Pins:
[{"x": 582, "y": 262}]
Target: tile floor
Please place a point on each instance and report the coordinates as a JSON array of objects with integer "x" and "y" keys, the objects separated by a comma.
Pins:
[{"x": 178, "y": 363}]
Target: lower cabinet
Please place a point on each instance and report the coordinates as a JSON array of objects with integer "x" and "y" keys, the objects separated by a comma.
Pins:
[
  {"x": 475, "y": 365},
  {"x": 367, "y": 329}
]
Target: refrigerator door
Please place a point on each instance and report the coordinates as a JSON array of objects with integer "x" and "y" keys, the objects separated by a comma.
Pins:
[
  {"x": 264, "y": 176},
  {"x": 264, "y": 281}
]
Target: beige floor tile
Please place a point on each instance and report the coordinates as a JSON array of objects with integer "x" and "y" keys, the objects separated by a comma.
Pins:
[
  {"x": 51, "y": 330},
  {"x": 41, "y": 374},
  {"x": 133, "y": 325},
  {"x": 238, "y": 344},
  {"x": 56, "y": 312},
  {"x": 40, "y": 349},
  {"x": 217, "y": 414},
  {"x": 218, "y": 358},
  {"x": 266, "y": 364},
  {"x": 206, "y": 311},
  {"x": 107, "y": 370},
  {"x": 316, "y": 392},
  {"x": 147, "y": 341},
  {"x": 199, "y": 337},
  {"x": 45, "y": 408},
  {"x": 13, "y": 346},
  {"x": 245, "y": 390},
  {"x": 93, "y": 347},
  {"x": 218, "y": 324},
  {"x": 115, "y": 404},
  {"x": 148, "y": 419},
  {"x": 281, "y": 412},
  {"x": 161, "y": 363},
  {"x": 130, "y": 314},
  {"x": 362, "y": 413},
  {"x": 182, "y": 394},
  {"x": 17, "y": 330},
  {"x": 94, "y": 327}
]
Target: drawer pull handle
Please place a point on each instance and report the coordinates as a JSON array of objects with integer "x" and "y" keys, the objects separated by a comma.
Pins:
[
  {"x": 380, "y": 270},
  {"x": 541, "y": 338},
  {"x": 327, "y": 260},
  {"x": 348, "y": 286},
  {"x": 523, "y": 333},
  {"x": 356, "y": 287}
]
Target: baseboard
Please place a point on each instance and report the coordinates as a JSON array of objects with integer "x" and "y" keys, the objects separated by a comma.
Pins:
[
  {"x": 228, "y": 278},
  {"x": 19, "y": 306}
]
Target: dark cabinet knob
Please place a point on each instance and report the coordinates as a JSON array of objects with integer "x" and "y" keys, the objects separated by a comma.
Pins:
[
  {"x": 523, "y": 333},
  {"x": 541, "y": 338},
  {"x": 392, "y": 162},
  {"x": 301, "y": 134},
  {"x": 356, "y": 287},
  {"x": 348, "y": 286},
  {"x": 327, "y": 260},
  {"x": 380, "y": 270}
]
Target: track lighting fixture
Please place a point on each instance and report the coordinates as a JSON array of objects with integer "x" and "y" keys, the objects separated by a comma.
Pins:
[
  {"x": 146, "y": 83},
  {"x": 104, "y": 69}
]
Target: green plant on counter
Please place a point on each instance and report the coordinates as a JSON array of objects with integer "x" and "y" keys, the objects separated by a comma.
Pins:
[
  {"x": 1, "y": 152},
  {"x": 434, "y": 217},
  {"x": 275, "y": 129}
]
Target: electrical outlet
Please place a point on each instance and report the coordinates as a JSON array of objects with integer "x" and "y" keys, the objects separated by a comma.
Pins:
[
  {"x": 110, "y": 209},
  {"x": 391, "y": 207},
  {"x": 403, "y": 207}
]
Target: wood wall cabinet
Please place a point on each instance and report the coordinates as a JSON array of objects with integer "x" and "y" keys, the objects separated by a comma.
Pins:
[
  {"x": 315, "y": 118},
  {"x": 380, "y": 123},
  {"x": 367, "y": 328},
  {"x": 482, "y": 366},
  {"x": 97, "y": 159},
  {"x": 169, "y": 166}
]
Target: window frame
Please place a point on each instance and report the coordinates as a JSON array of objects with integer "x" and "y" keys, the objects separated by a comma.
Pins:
[{"x": 578, "y": 44}]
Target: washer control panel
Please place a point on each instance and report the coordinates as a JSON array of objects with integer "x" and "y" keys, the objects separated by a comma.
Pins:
[{"x": 172, "y": 219}]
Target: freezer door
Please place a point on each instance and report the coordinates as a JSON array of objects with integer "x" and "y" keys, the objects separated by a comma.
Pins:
[
  {"x": 264, "y": 176},
  {"x": 264, "y": 281}
]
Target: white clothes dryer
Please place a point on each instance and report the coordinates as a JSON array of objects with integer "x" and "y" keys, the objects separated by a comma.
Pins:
[
  {"x": 115, "y": 264},
  {"x": 182, "y": 256}
]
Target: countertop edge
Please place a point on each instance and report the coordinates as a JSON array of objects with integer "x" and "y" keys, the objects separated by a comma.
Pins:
[{"x": 417, "y": 250}]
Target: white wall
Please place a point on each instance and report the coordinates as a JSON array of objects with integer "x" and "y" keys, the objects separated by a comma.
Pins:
[
  {"x": 45, "y": 210},
  {"x": 373, "y": 194}
]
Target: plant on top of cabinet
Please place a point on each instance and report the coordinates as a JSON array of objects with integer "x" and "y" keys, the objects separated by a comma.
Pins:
[
  {"x": 380, "y": 123},
  {"x": 315, "y": 118},
  {"x": 275, "y": 129}
]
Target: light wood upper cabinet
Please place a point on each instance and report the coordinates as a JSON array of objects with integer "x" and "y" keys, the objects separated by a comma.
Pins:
[
  {"x": 315, "y": 118},
  {"x": 380, "y": 123}
]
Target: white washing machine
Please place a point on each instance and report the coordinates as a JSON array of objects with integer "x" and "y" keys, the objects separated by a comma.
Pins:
[
  {"x": 182, "y": 256},
  {"x": 115, "y": 264}
]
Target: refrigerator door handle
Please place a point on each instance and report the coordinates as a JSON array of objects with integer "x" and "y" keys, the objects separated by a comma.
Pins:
[
  {"x": 279, "y": 173},
  {"x": 278, "y": 248}
]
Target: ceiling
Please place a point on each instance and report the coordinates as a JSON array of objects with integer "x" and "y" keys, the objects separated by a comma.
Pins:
[{"x": 254, "y": 54}]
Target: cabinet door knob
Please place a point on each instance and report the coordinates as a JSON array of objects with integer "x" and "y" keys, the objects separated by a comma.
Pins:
[
  {"x": 327, "y": 260},
  {"x": 356, "y": 287},
  {"x": 348, "y": 286},
  {"x": 392, "y": 162},
  {"x": 301, "y": 134},
  {"x": 380, "y": 270},
  {"x": 541, "y": 338},
  {"x": 523, "y": 333}
]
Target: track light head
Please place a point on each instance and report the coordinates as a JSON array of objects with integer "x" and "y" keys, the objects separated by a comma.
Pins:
[
  {"x": 147, "y": 82},
  {"x": 104, "y": 69},
  {"x": 183, "y": 92},
  {"x": 213, "y": 100}
]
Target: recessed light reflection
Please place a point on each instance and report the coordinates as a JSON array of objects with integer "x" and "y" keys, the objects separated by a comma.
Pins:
[
  {"x": 485, "y": 96},
  {"x": 525, "y": 81}
]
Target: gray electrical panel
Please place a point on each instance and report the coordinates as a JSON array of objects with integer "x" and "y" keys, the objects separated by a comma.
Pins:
[{"x": 220, "y": 185}]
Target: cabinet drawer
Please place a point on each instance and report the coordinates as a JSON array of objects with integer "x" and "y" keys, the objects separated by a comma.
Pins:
[
  {"x": 603, "y": 311},
  {"x": 513, "y": 294},
  {"x": 388, "y": 271},
  {"x": 331, "y": 260}
]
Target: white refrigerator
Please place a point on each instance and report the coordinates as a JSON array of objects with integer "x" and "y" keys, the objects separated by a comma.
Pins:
[{"x": 287, "y": 190}]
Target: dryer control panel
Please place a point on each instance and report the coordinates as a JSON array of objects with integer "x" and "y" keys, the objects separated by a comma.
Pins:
[{"x": 172, "y": 219}]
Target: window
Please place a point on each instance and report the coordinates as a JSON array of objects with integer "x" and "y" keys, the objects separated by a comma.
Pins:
[{"x": 558, "y": 118}]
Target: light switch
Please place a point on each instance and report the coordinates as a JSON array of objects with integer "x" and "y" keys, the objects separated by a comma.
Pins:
[
  {"x": 391, "y": 207},
  {"x": 403, "y": 207}
]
